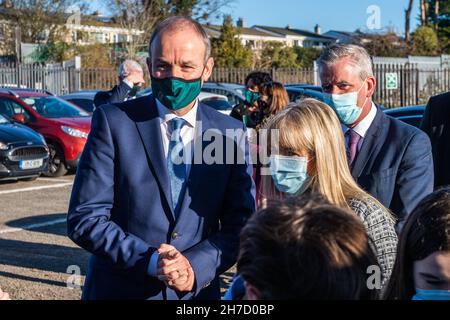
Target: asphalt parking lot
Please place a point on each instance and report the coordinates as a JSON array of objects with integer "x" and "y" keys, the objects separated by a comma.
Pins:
[
  {"x": 37, "y": 259},
  {"x": 35, "y": 253}
]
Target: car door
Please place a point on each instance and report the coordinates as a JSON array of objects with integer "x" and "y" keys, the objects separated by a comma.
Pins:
[{"x": 15, "y": 108}]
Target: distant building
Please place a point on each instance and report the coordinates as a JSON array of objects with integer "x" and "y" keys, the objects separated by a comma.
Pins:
[
  {"x": 298, "y": 38},
  {"x": 256, "y": 36},
  {"x": 98, "y": 30},
  {"x": 250, "y": 37}
]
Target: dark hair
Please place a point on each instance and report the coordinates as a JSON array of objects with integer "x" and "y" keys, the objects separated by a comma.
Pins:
[
  {"x": 426, "y": 231},
  {"x": 261, "y": 79},
  {"x": 306, "y": 248},
  {"x": 176, "y": 22}
]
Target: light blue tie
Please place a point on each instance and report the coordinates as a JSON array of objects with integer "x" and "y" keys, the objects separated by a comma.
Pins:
[{"x": 175, "y": 163}]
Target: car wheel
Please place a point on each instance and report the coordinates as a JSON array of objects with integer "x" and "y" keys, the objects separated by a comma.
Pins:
[{"x": 56, "y": 165}]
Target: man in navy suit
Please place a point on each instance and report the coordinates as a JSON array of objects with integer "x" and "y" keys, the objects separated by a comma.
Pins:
[
  {"x": 388, "y": 158},
  {"x": 131, "y": 77},
  {"x": 164, "y": 184},
  {"x": 436, "y": 123}
]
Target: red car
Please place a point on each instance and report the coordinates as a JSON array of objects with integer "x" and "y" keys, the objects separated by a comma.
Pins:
[{"x": 64, "y": 126}]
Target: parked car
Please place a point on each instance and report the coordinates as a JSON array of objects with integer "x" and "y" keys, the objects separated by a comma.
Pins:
[
  {"x": 24, "y": 154},
  {"x": 216, "y": 101},
  {"x": 411, "y": 114},
  {"x": 234, "y": 92},
  {"x": 297, "y": 93},
  {"x": 304, "y": 86},
  {"x": 64, "y": 126},
  {"x": 83, "y": 99}
]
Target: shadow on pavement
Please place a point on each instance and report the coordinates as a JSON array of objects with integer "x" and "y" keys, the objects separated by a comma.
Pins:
[
  {"x": 46, "y": 257},
  {"x": 32, "y": 279},
  {"x": 37, "y": 220}
]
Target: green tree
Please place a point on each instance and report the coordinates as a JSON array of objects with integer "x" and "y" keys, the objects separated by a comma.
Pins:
[
  {"x": 277, "y": 55},
  {"x": 386, "y": 45},
  {"x": 425, "y": 42},
  {"x": 228, "y": 50},
  {"x": 307, "y": 56},
  {"x": 442, "y": 24},
  {"x": 55, "y": 52}
]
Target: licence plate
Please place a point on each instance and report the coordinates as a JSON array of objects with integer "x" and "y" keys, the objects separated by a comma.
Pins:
[{"x": 30, "y": 164}]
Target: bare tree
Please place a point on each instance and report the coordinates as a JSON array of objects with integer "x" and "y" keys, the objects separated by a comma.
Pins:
[
  {"x": 139, "y": 17},
  {"x": 423, "y": 12},
  {"x": 436, "y": 14},
  {"x": 408, "y": 21},
  {"x": 40, "y": 21}
]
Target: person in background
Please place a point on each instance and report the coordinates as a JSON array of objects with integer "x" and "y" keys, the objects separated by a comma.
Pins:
[
  {"x": 388, "y": 158},
  {"x": 4, "y": 295},
  {"x": 422, "y": 268},
  {"x": 277, "y": 100},
  {"x": 310, "y": 157},
  {"x": 306, "y": 249},
  {"x": 436, "y": 124},
  {"x": 250, "y": 111},
  {"x": 131, "y": 79}
]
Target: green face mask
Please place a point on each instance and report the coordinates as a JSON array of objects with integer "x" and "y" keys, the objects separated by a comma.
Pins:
[
  {"x": 176, "y": 93},
  {"x": 251, "y": 97}
]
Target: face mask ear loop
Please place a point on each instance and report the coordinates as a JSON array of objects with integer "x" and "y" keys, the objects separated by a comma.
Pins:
[{"x": 367, "y": 98}]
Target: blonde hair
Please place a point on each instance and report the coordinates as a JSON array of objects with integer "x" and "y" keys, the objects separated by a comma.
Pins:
[{"x": 311, "y": 126}]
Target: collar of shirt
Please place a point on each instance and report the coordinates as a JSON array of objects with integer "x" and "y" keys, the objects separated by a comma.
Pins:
[
  {"x": 128, "y": 83},
  {"x": 365, "y": 123},
  {"x": 165, "y": 115}
]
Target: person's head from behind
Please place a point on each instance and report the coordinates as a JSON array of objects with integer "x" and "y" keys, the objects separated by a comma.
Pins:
[
  {"x": 180, "y": 61},
  {"x": 305, "y": 248},
  {"x": 422, "y": 268},
  {"x": 132, "y": 71},
  {"x": 307, "y": 151},
  {"x": 278, "y": 98},
  {"x": 348, "y": 81},
  {"x": 256, "y": 86}
]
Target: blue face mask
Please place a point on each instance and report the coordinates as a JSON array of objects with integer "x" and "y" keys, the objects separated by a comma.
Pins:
[
  {"x": 431, "y": 295},
  {"x": 289, "y": 173},
  {"x": 345, "y": 105}
]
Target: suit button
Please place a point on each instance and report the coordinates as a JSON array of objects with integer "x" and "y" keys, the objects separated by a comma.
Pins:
[{"x": 175, "y": 235}]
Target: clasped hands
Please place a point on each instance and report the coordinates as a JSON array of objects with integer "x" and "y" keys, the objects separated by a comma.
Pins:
[{"x": 174, "y": 269}]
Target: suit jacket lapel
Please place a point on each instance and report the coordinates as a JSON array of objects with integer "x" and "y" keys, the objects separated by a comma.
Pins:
[
  {"x": 150, "y": 133},
  {"x": 369, "y": 145}
]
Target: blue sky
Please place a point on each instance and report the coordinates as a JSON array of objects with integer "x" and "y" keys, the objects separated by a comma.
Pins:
[{"x": 346, "y": 15}]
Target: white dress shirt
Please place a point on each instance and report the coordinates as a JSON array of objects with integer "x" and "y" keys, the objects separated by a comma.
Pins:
[
  {"x": 187, "y": 136},
  {"x": 187, "y": 131}
]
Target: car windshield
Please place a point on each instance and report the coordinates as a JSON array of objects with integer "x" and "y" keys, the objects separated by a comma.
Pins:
[
  {"x": 3, "y": 120},
  {"x": 53, "y": 107}
]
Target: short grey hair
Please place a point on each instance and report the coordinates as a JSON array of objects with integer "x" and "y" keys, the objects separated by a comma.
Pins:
[
  {"x": 128, "y": 66},
  {"x": 360, "y": 58},
  {"x": 176, "y": 23}
]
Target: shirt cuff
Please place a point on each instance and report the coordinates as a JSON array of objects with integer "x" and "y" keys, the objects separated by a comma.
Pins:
[{"x": 153, "y": 265}]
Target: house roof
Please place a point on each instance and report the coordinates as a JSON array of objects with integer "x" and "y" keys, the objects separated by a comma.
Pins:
[
  {"x": 243, "y": 31},
  {"x": 292, "y": 32},
  {"x": 356, "y": 33}
]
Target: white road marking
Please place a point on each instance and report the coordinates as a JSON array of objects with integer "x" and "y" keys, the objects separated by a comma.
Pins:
[
  {"x": 61, "y": 185},
  {"x": 53, "y": 180},
  {"x": 33, "y": 226}
]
